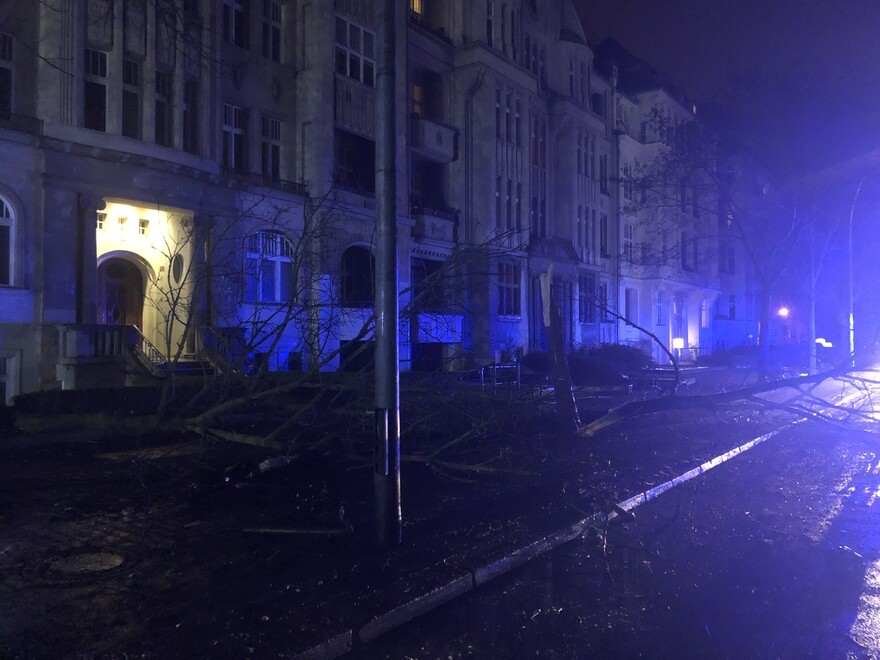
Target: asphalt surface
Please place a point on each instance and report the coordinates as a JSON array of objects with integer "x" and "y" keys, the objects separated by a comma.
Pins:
[
  {"x": 774, "y": 554},
  {"x": 168, "y": 553}
]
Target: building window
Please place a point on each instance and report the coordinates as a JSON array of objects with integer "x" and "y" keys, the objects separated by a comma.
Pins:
[
  {"x": 234, "y": 136},
  {"x": 270, "y": 148},
  {"x": 517, "y": 123},
  {"x": 518, "y": 207},
  {"x": 101, "y": 220},
  {"x": 498, "y": 125},
  {"x": 418, "y": 99},
  {"x": 629, "y": 245},
  {"x": 143, "y": 226},
  {"x": 191, "y": 116},
  {"x": 630, "y": 305},
  {"x": 580, "y": 153},
  {"x": 162, "y": 119},
  {"x": 417, "y": 10},
  {"x": 354, "y": 52},
  {"x": 579, "y": 230},
  {"x": 597, "y": 103},
  {"x": 357, "y": 277},
  {"x": 490, "y": 18},
  {"x": 658, "y": 307},
  {"x": 272, "y": 30},
  {"x": 235, "y": 22},
  {"x": 731, "y": 307},
  {"x": 508, "y": 207},
  {"x": 5, "y": 74},
  {"x": 427, "y": 284},
  {"x": 603, "y": 301},
  {"x": 269, "y": 268},
  {"x": 131, "y": 99},
  {"x": 587, "y": 298},
  {"x": 508, "y": 289},
  {"x": 727, "y": 263},
  {"x": 95, "y": 97},
  {"x": 689, "y": 253},
  {"x": 627, "y": 182},
  {"x": 603, "y": 236},
  {"x": 7, "y": 243},
  {"x": 355, "y": 162},
  {"x": 585, "y": 83},
  {"x": 499, "y": 205},
  {"x": 508, "y": 117},
  {"x": 603, "y": 173}
]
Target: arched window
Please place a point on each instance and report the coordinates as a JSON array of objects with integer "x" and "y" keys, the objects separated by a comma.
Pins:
[
  {"x": 357, "y": 277},
  {"x": 7, "y": 235},
  {"x": 268, "y": 268}
]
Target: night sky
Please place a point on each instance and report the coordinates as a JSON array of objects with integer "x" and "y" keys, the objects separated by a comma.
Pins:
[{"x": 798, "y": 79}]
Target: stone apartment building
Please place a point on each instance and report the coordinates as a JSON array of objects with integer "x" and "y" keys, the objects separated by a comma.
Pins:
[{"x": 192, "y": 181}]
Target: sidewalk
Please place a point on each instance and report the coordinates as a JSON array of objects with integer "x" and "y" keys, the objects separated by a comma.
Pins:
[{"x": 128, "y": 544}]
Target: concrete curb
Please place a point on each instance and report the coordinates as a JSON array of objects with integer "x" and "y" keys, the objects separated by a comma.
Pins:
[{"x": 405, "y": 612}]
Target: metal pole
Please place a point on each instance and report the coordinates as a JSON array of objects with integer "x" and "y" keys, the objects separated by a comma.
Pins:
[
  {"x": 386, "y": 465},
  {"x": 851, "y": 333}
]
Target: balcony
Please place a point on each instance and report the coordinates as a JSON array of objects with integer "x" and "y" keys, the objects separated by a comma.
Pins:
[
  {"x": 355, "y": 107},
  {"x": 435, "y": 224},
  {"x": 432, "y": 141},
  {"x": 259, "y": 181}
]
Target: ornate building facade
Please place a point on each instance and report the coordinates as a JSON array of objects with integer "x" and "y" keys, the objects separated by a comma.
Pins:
[{"x": 193, "y": 181}]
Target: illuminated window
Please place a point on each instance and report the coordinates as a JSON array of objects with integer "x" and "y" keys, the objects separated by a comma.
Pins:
[
  {"x": 354, "y": 52},
  {"x": 102, "y": 220},
  {"x": 269, "y": 268},
  {"x": 418, "y": 99},
  {"x": 508, "y": 289},
  {"x": 7, "y": 242},
  {"x": 143, "y": 226}
]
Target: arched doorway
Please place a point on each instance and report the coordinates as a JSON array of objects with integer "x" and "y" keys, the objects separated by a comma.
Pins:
[{"x": 120, "y": 293}]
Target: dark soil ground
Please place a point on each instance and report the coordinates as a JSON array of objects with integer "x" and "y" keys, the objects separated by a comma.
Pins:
[{"x": 148, "y": 544}]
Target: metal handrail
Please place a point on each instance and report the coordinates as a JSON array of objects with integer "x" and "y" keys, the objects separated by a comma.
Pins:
[{"x": 147, "y": 349}]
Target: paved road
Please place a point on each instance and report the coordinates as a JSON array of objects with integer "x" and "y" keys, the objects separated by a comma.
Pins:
[{"x": 773, "y": 554}]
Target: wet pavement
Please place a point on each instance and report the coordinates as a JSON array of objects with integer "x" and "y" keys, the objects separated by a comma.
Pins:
[
  {"x": 109, "y": 551},
  {"x": 775, "y": 554}
]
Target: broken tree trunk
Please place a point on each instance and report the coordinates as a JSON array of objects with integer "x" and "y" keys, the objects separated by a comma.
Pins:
[{"x": 566, "y": 407}]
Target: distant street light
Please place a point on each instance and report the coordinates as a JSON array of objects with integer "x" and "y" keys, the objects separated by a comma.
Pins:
[{"x": 783, "y": 312}]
